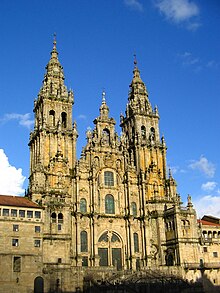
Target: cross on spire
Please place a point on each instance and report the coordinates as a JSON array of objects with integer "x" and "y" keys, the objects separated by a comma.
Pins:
[
  {"x": 54, "y": 40},
  {"x": 135, "y": 60}
]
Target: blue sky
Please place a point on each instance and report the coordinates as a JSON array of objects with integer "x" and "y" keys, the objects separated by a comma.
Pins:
[{"x": 177, "y": 43}]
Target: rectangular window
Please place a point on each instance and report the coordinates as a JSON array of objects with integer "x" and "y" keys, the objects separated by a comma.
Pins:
[
  {"x": 15, "y": 228},
  {"x": 17, "y": 264},
  {"x": 29, "y": 214},
  {"x": 59, "y": 227},
  {"x": 109, "y": 178},
  {"x": 37, "y": 243},
  {"x": 103, "y": 254},
  {"x": 37, "y": 229},
  {"x": 59, "y": 260},
  {"x": 37, "y": 215},
  {"x": 215, "y": 254},
  {"x": 85, "y": 261},
  {"x": 15, "y": 242},
  {"x": 14, "y": 213},
  {"x": 21, "y": 213},
  {"x": 6, "y": 212},
  {"x": 205, "y": 249}
]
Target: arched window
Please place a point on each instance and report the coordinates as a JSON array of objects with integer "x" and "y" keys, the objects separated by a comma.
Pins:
[
  {"x": 83, "y": 205},
  {"x": 136, "y": 242},
  {"x": 152, "y": 134},
  {"x": 84, "y": 241},
  {"x": 109, "y": 204},
  {"x": 115, "y": 238},
  {"x": 104, "y": 237},
  {"x": 109, "y": 178},
  {"x": 63, "y": 119},
  {"x": 52, "y": 117},
  {"x": 170, "y": 259},
  {"x": 53, "y": 217},
  {"x": 38, "y": 285},
  {"x": 133, "y": 133},
  {"x": 60, "y": 218},
  {"x": 143, "y": 132},
  {"x": 134, "y": 209}
]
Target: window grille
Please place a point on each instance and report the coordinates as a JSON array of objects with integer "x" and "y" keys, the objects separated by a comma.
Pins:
[{"x": 109, "y": 178}]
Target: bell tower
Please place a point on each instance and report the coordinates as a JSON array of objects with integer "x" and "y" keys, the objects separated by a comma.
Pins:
[
  {"x": 146, "y": 151},
  {"x": 53, "y": 140}
]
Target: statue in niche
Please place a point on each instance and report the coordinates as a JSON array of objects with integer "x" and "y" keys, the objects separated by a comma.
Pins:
[
  {"x": 60, "y": 180},
  {"x": 96, "y": 162},
  {"x": 105, "y": 137}
]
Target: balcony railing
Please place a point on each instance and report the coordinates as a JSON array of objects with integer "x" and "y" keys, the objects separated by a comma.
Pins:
[{"x": 202, "y": 266}]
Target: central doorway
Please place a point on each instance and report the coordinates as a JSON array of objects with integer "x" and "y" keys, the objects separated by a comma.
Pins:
[{"x": 110, "y": 250}]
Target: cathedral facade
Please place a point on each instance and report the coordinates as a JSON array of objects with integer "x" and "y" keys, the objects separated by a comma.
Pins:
[{"x": 116, "y": 209}]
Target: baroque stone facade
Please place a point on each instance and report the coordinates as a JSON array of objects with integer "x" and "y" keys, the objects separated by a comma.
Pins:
[{"x": 114, "y": 209}]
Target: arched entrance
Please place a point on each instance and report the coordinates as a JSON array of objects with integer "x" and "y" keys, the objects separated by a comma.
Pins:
[
  {"x": 38, "y": 285},
  {"x": 110, "y": 250}
]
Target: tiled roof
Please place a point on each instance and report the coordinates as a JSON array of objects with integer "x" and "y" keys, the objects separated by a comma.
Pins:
[
  {"x": 17, "y": 201},
  {"x": 203, "y": 222}
]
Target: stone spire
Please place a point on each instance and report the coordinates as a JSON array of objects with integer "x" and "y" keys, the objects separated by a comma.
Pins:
[
  {"x": 104, "y": 109},
  {"x": 138, "y": 95},
  {"x": 53, "y": 83}
]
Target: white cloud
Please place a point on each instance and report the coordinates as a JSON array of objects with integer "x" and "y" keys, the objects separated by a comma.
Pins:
[
  {"x": 179, "y": 11},
  {"x": 82, "y": 117},
  {"x": 193, "y": 26},
  {"x": 208, "y": 205},
  {"x": 11, "y": 179},
  {"x": 209, "y": 186},
  {"x": 204, "y": 166},
  {"x": 212, "y": 64},
  {"x": 189, "y": 60},
  {"x": 23, "y": 119},
  {"x": 134, "y": 4}
]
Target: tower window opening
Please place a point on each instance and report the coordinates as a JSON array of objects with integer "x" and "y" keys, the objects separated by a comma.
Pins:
[
  {"x": 109, "y": 178},
  {"x": 52, "y": 117},
  {"x": 152, "y": 134},
  {"x": 143, "y": 132},
  {"x": 60, "y": 218},
  {"x": 133, "y": 133},
  {"x": 53, "y": 217},
  {"x": 109, "y": 204},
  {"x": 64, "y": 119}
]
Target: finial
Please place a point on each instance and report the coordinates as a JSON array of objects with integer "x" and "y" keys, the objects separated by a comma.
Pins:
[
  {"x": 189, "y": 200},
  {"x": 170, "y": 173},
  {"x": 54, "y": 41},
  {"x": 103, "y": 96},
  {"x": 135, "y": 60}
]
